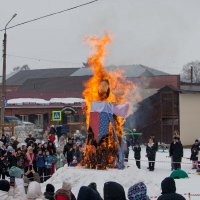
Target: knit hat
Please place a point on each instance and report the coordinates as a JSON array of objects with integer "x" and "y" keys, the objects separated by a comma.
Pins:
[
  {"x": 168, "y": 186},
  {"x": 66, "y": 186},
  {"x": 16, "y": 172},
  {"x": 50, "y": 188},
  {"x": 138, "y": 192},
  {"x": 4, "y": 185},
  {"x": 10, "y": 149},
  {"x": 93, "y": 185}
]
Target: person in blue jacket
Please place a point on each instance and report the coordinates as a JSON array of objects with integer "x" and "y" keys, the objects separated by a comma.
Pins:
[{"x": 40, "y": 164}]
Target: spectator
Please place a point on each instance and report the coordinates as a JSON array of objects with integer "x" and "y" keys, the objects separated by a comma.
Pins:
[
  {"x": 169, "y": 190},
  {"x": 67, "y": 148},
  {"x": 93, "y": 185},
  {"x": 30, "y": 158},
  {"x": 50, "y": 192},
  {"x": 151, "y": 154},
  {"x": 34, "y": 191},
  {"x": 30, "y": 140},
  {"x": 61, "y": 142},
  {"x": 40, "y": 164},
  {"x": 3, "y": 139},
  {"x": 60, "y": 159},
  {"x": 171, "y": 149},
  {"x": 68, "y": 188},
  {"x": 61, "y": 195},
  {"x": 48, "y": 165},
  {"x": 137, "y": 154},
  {"x": 87, "y": 193},
  {"x": 113, "y": 191},
  {"x": 177, "y": 152},
  {"x": 8, "y": 192},
  {"x": 13, "y": 142},
  {"x": 194, "y": 154},
  {"x": 138, "y": 192}
]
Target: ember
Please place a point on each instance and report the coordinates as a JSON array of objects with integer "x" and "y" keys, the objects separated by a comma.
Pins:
[{"x": 108, "y": 97}]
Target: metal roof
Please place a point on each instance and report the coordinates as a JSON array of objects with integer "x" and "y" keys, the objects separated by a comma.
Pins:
[
  {"x": 129, "y": 71},
  {"x": 22, "y": 76}
]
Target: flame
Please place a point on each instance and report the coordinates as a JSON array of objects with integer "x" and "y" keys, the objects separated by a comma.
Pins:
[{"x": 121, "y": 89}]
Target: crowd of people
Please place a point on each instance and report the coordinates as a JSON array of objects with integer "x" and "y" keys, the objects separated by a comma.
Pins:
[
  {"x": 35, "y": 162},
  {"x": 111, "y": 191},
  {"x": 38, "y": 158}
]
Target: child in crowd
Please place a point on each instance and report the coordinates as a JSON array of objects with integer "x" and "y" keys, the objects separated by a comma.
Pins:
[
  {"x": 40, "y": 164},
  {"x": 194, "y": 154},
  {"x": 137, "y": 154},
  {"x": 48, "y": 165}
]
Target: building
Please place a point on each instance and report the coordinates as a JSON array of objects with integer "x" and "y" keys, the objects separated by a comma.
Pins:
[{"x": 61, "y": 83}]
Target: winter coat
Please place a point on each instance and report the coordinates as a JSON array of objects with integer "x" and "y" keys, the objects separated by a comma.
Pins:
[
  {"x": 48, "y": 161},
  {"x": 151, "y": 151},
  {"x": 87, "y": 193},
  {"x": 194, "y": 152},
  {"x": 172, "y": 196},
  {"x": 177, "y": 152},
  {"x": 137, "y": 152},
  {"x": 40, "y": 161},
  {"x": 67, "y": 148},
  {"x": 113, "y": 191},
  {"x": 169, "y": 190},
  {"x": 20, "y": 161},
  {"x": 12, "y": 160},
  {"x": 13, "y": 194},
  {"x": 60, "y": 160}
]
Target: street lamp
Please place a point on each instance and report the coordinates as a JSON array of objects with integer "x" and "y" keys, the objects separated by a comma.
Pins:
[{"x": 3, "y": 86}]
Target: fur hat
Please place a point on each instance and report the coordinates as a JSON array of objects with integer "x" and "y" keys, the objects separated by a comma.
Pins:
[
  {"x": 4, "y": 185},
  {"x": 66, "y": 186},
  {"x": 138, "y": 192}
]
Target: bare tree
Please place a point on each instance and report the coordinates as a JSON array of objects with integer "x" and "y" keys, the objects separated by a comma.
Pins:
[
  {"x": 23, "y": 68},
  {"x": 191, "y": 72}
]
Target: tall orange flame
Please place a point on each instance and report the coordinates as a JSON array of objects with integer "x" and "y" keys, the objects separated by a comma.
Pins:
[{"x": 121, "y": 89}]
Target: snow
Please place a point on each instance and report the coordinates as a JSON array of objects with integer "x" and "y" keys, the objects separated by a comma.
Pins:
[
  {"x": 130, "y": 175},
  {"x": 21, "y": 101}
]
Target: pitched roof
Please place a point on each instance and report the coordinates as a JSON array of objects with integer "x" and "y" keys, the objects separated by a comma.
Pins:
[
  {"x": 22, "y": 76},
  {"x": 129, "y": 70}
]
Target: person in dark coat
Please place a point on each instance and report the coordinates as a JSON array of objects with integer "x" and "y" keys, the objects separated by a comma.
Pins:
[
  {"x": 30, "y": 140},
  {"x": 113, "y": 191},
  {"x": 137, "y": 154},
  {"x": 151, "y": 154},
  {"x": 87, "y": 193},
  {"x": 177, "y": 153},
  {"x": 171, "y": 149},
  {"x": 67, "y": 148},
  {"x": 169, "y": 190},
  {"x": 50, "y": 192},
  {"x": 194, "y": 154}
]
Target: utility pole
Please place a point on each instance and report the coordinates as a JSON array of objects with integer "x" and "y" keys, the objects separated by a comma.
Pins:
[
  {"x": 191, "y": 73},
  {"x": 3, "y": 86}
]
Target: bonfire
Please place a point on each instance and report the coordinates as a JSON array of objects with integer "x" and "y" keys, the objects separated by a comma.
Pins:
[{"x": 109, "y": 100}]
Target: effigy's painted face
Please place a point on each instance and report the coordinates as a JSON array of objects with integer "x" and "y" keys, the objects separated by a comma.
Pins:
[{"x": 104, "y": 89}]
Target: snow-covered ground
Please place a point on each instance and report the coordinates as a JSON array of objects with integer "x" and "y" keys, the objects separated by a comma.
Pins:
[{"x": 131, "y": 175}]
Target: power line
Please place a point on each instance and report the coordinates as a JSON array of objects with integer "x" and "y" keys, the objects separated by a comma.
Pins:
[
  {"x": 42, "y": 59},
  {"x": 51, "y": 14}
]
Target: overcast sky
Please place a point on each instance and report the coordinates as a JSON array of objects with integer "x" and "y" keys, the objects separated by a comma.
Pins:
[{"x": 163, "y": 34}]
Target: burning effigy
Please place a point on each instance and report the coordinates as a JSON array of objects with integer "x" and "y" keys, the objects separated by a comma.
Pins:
[{"x": 109, "y": 100}]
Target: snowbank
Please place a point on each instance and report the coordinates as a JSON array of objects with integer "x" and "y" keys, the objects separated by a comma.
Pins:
[{"x": 129, "y": 176}]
